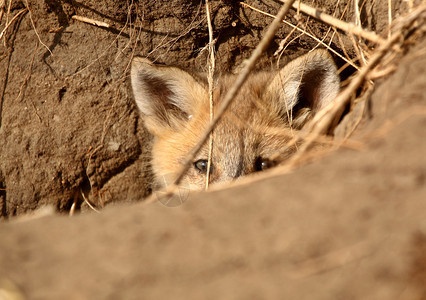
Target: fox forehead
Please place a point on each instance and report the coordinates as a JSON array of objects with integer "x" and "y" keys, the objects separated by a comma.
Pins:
[
  {"x": 249, "y": 117},
  {"x": 251, "y": 128},
  {"x": 251, "y": 106}
]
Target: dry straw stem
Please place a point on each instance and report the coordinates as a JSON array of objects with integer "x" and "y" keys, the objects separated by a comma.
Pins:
[
  {"x": 229, "y": 97},
  {"x": 2, "y": 6},
  {"x": 35, "y": 29},
  {"x": 91, "y": 21},
  {"x": 87, "y": 202},
  {"x": 332, "y": 21},
  {"x": 11, "y": 21},
  {"x": 211, "y": 63},
  {"x": 389, "y": 18},
  {"x": 72, "y": 209},
  {"x": 7, "y": 16}
]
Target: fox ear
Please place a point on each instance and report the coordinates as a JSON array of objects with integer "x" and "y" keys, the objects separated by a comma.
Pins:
[
  {"x": 304, "y": 86},
  {"x": 165, "y": 96}
]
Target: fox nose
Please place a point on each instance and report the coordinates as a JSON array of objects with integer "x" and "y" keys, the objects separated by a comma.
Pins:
[
  {"x": 238, "y": 173},
  {"x": 234, "y": 173}
]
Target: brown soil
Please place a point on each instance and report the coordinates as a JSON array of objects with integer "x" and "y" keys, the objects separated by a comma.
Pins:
[{"x": 351, "y": 225}]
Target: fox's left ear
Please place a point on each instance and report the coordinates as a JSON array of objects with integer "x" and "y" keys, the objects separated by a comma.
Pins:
[{"x": 307, "y": 84}]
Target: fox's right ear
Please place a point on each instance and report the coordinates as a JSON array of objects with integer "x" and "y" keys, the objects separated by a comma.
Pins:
[{"x": 165, "y": 96}]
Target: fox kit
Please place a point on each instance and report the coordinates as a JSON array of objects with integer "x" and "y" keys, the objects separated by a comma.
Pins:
[{"x": 252, "y": 135}]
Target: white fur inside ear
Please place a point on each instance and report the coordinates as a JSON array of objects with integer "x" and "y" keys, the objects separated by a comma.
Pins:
[
  {"x": 309, "y": 81},
  {"x": 155, "y": 87},
  {"x": 329, "y": 88},
  {"x": 142, "y": 68},
  {"x": 290, "y": 93},
  {"x": 165, "y": 96},
  {"x": 183, "y": 86}
]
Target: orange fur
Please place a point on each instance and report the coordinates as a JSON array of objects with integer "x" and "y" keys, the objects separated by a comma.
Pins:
[{"x": 252, "y": 135}]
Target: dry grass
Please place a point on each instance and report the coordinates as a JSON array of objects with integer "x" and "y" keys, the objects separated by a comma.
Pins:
[
  {"x": 11, "y": 21},
  {"x": 372, "y": 60}
]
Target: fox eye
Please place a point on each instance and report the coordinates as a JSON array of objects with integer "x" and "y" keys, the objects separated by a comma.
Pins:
[
  {"x": 261, "y": 164},
  {"x": 201, "y": 166}
]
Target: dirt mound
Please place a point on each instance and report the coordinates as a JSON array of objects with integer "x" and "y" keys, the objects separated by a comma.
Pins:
[{"x": 350, "y": 225}]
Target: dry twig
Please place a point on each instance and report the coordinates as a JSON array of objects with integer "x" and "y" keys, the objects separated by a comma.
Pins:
[
  {"x": 211, "y": 87},
  {"x": 347, "y": 27},
  {"x": 11, "y": 21},
  {"x": 7, "y": 17},
  {"x": 379, "y": 73},
  {"x": 2, "y": 6},
  {"x": 389, "y": 18},
  {"x": 35, "y": 29},
  {"x": 90, "y": 21},
  {"x": 88, "y": 203},
  {"x": 74, "y": 203}
]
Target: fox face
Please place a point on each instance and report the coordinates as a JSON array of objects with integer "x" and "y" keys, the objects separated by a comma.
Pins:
[{"x": 251, "y": 136}]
